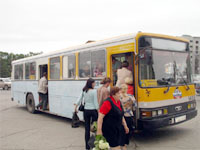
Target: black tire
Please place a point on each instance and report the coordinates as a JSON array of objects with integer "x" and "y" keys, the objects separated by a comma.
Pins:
[
  {"x": 30, "y": 103},
  {"x": 6, "y": 87}
]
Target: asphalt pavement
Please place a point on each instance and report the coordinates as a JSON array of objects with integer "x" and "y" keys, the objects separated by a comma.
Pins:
[{"x": 21, "y": 130}]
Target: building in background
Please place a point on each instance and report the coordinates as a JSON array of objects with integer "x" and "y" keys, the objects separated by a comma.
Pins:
[{"x": 194, "y": 53}]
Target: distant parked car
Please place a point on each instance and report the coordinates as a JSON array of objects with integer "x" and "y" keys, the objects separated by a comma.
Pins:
[{"x": 5, "y": 83}]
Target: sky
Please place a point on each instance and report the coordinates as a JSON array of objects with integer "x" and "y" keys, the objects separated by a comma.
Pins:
[{"x": 49, "y": 25}]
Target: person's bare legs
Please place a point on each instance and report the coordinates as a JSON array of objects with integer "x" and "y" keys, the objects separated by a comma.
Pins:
[
  {"x": 124, "y": 147},
  {"x": 116, "y": 148}
]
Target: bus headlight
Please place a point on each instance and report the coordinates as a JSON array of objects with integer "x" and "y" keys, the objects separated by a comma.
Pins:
[
  {"x": 165, "y": 111},
  {"x": 154, "y": 113},
  {"x": 160, "y": 112},
  {"x": 146, "y": 114},
  {"x": 191, "y": 106}
]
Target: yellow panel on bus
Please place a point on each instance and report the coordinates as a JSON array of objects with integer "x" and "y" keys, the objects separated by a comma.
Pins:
[
  {"x": 149, "y": 83},
  {"x": 123, "y": 48},
  {"x": 32, "y": 77},
  {"x": 117, "y": 49},
  {"x": 157, "y": 94}
]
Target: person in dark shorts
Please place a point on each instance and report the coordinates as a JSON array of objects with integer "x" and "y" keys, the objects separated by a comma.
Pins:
[{"x": 111, "y": 122}]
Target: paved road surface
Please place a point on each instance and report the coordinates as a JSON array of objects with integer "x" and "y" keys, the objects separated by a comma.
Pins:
[{"x": 20, "y": 130}]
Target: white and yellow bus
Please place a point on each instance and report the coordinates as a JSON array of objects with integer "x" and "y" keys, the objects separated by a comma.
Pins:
[{"x": 161, "y": 73}]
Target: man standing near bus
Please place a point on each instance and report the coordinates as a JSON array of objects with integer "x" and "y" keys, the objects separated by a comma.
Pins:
[{"x": 42, "y": 90}]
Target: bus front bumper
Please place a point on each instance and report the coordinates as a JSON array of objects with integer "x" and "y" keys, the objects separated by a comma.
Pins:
[{"x": 167, "y": 121}]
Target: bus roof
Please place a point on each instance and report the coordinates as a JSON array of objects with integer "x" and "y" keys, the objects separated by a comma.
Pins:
[
  {"x": 96, "y": 43},
  {"x": 80, "y": 47}
]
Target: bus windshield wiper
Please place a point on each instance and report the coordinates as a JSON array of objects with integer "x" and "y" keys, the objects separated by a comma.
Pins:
[
  {"x": 167, "y": 84},
  {"x": 167, "y": 90},
  {"x": 175, "y": 71},
  {"x": 185, "y": 82},
  {"x": 164, "y": 82}
]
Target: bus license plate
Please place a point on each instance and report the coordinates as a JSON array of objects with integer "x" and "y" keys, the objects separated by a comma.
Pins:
[{"x": 179, "y": 119}]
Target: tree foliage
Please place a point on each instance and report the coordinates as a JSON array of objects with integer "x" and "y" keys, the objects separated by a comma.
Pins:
[{"x": 6, "y": 62}]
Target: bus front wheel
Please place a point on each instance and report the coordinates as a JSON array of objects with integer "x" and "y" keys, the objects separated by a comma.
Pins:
[{"x": 30, "y": 103}]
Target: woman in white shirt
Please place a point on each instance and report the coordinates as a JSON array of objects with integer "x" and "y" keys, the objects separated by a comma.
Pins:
[{"x": 123, "y": 73}]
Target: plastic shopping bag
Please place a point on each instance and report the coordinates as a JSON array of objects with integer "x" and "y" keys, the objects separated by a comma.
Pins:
[{"x": 75, "y": 120}]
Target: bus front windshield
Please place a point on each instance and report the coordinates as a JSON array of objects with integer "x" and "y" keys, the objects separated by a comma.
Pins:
[{"x": 163, "y": 68}]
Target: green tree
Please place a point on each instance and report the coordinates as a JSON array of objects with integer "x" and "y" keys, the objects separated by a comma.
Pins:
[{"x": 6, "y": 62}]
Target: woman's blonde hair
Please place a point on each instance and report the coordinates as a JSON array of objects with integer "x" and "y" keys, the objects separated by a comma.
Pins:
[
  {"x": 105, "y": 80},
  {"x": 123, "y": 88}
]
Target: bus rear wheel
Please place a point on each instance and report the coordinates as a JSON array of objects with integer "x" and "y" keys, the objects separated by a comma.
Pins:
[{"x": 30, "y": 103}]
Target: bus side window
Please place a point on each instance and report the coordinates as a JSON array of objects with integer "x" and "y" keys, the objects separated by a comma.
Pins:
[
  {"x": 85, "y": 64},
  {"x": 69, "y": 66},
  {"x": 30, "y": 69},
  {"x": 55, "y": 68},
  {"x": 18, "y": 71},
  {"x": 98, "y": 63}
]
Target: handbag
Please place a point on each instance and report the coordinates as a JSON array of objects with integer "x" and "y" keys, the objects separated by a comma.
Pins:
[{"x": 82, "y": 105}]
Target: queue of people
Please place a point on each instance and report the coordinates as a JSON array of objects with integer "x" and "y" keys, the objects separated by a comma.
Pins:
[{"x": 112, "y": 109}]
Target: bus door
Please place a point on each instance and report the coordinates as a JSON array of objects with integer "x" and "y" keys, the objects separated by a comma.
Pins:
[
  {"x": 42, "y": 69},
  {"x": 116, "y": 63},
  {"x": 120, "y": 53}
]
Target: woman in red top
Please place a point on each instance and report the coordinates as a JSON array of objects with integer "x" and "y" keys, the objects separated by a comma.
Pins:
[{"x": 111, "y": 122}]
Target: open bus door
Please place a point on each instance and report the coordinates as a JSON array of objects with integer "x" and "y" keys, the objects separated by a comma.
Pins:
[
  {"x": 42, "y": 69},
  {"x": 116, "y": 63},
  {"x": 120, "y": 51}
]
